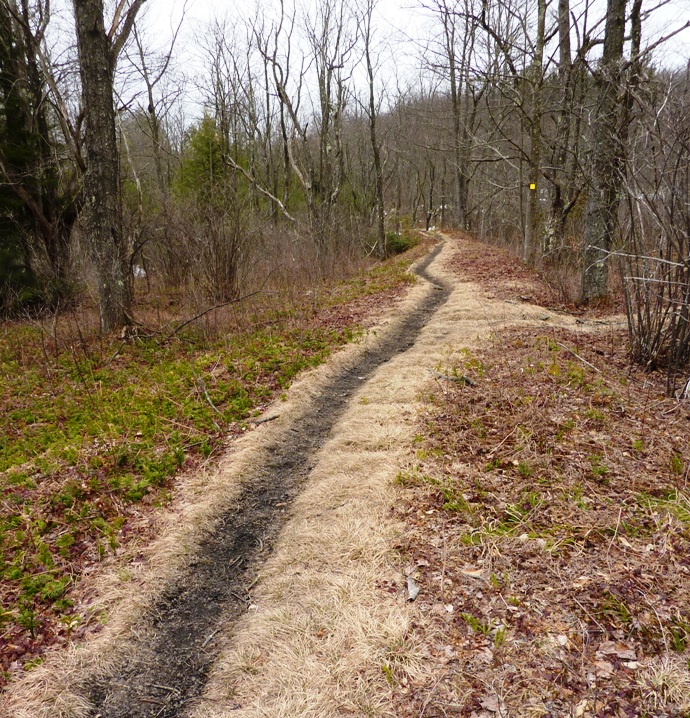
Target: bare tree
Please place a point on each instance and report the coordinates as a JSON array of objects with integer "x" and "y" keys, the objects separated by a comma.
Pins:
[
  {"x": 607, "y": 160},
  {"x": 531, "y": 247},
  {"x": 372, "y": 112},
  {"x": 153, "y": 69},
  {"x": 657, "y": 225},
  {"x": 314, "y": 142}
]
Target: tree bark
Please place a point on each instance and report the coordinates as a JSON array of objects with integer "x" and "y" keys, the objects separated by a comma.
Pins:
[
  {"x": 102, "y": 202},
  {"x": 602, "y": 202},
  {"x": 51, "y": 203},
  {"x": 563, "y": 183},
  {"x": 531, "y": 250},
  {"x": 373, "y": 136}
]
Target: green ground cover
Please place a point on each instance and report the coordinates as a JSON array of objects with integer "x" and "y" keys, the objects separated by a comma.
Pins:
[{"x": 94, "y": 431}]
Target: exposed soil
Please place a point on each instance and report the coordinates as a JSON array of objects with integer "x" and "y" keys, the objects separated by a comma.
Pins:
[
  {"x": 173, "y": 647},
  {"x": 544, "y": 513},
  {"x": 97, "y": 455}
]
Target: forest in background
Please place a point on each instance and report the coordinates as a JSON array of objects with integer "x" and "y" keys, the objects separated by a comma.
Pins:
[{"x": 547, "y": 125}]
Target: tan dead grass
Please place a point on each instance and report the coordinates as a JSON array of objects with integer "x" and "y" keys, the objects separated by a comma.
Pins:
[
  {"x": 331, "y": 632},
  {"x": 665, "y": 685},
  {"x": 324, "y": 636}
]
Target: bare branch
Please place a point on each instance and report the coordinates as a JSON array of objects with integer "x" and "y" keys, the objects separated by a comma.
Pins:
[{"x": 261, "y": 189}]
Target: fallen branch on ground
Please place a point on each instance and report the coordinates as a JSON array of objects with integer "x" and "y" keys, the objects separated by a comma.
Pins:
[{"x": 459, "y": 379}]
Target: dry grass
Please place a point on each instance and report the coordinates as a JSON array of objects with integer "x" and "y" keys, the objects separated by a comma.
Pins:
[
  {"x": 115, "y": 595},
  {"x": 331, "y": 631},
  {"x": 665, "y": 683},
  {"x": 96, "y": 428}
]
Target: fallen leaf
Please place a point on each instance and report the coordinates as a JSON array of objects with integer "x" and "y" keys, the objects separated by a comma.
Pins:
[
  {"x": 610, "y": 648},
  {"x": 604, "y": 669},
  {"x": 413, "y": 588},
  {"x": 581, "y": 707},
  {"x": 490, "y": 703},
  {"x": 486, "y": 655},
  {"x": 582, "y": 581}
]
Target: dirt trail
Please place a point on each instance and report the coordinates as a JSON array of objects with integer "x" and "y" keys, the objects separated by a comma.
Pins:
[
  {"x": 173, "y": 648},
  {"x": 294, "y": 603}
]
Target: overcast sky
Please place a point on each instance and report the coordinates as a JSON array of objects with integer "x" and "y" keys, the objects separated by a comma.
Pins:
[
  {"x": 394, "y": 15},
  {"x": 401, "y": 23}
]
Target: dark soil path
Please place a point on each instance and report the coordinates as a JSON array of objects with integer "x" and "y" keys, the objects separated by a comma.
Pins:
[{"x": 172, "y": 649}]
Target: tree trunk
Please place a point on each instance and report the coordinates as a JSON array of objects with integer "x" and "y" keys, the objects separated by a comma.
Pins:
[
  {"x": 449, "y": 33},
  {"x": 102, "y": 205},
  {"x": 563, "y": 183},
  {"x": 531, "y": 249},
  {"x": 373, "y": 137},
  {"x": 602, "y": 202}
]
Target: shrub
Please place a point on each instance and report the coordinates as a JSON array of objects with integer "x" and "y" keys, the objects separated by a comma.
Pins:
[{"x": 399, "y": 243}]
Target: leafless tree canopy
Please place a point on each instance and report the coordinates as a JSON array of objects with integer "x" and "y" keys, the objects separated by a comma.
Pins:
[{"x": 317, "y": 132}]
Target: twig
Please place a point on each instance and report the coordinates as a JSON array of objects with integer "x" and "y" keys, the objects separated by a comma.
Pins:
[
  {"x": 264, "y": 419},
  {"x": 496, "y": 448},
  {"x": 577, "y": 356},
  {"x": 443, "y": 562},
  {"x": 615, "y": 533},
  {"x": 431, "y": 693},
  {"x": 164, "y": 688},
  {"x": 222, "y": 304},
  {"x": 117, "y": 351},
  {"x": 656, "y": 613},
  {"x": 202, "y": 387},
  {"x": 210, "y": 638},
  {"x": 210, "y": 309},
  {"x": 155, "y": 701},
  {"x": 240, "y": 598},
  {"x": 590, "y": 616},
  {"x": 189, "y": 429},
  {"x": 460, "y": 379}
]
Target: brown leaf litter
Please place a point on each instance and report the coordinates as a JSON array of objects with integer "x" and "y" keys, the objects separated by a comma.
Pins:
[{"x": 547, "y": 516}]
